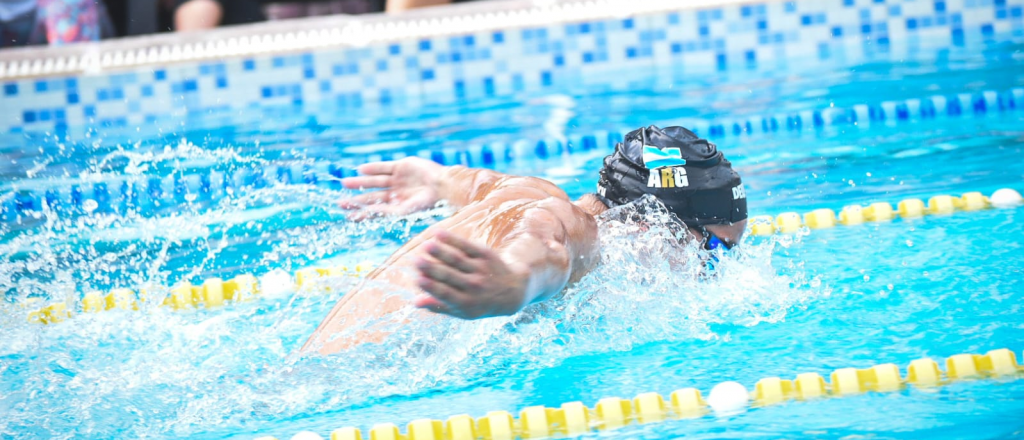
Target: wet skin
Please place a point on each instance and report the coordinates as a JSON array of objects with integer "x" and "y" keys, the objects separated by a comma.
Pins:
[{"x": 512, "y": 241}]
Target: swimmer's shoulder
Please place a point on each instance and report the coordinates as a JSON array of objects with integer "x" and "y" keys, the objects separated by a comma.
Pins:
[
  {"x": 518, "y": 187},
  {"x": 553, "y": 213}
]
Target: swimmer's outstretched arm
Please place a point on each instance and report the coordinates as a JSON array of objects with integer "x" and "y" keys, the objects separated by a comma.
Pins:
[
  {"x": 554, "y": 242},
  {"x": 470, "y": 281},
  {"x": 415, "y": 184}
]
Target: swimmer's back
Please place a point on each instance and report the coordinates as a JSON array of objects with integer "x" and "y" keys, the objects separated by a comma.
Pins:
[
  {"x": 504, "y": 206},
  {"x": 511, "y": 215}
]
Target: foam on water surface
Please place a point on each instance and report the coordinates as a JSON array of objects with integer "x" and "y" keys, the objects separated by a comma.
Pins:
[
  {"x": 185, "y": 373},
  {"x": 650, "y": 318}
]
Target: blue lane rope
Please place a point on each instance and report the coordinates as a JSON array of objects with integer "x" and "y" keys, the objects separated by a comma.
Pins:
[{"x": 154, "y": 191}]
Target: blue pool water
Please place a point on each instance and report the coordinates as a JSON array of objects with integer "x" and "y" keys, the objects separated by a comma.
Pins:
[{"x": 813, "y": 302}]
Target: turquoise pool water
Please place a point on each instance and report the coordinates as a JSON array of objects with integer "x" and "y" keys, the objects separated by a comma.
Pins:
[{"x": 814, "y": 302}]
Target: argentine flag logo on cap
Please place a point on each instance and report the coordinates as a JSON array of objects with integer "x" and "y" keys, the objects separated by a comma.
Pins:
[{"x": 655, "y": 157}]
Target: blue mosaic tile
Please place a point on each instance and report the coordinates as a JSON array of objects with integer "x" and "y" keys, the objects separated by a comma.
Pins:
[
  {"x": 488, "y": 63},
  {"x": 123, "y": 78}
]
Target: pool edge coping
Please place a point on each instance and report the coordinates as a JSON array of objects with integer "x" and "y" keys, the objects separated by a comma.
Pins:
[{"x": 326, "y": 32}]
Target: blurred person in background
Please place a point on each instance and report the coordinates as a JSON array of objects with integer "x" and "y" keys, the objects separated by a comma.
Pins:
[
  {"x": 206, "y": 14},
  {"x": 404, "y": 5},
  {"x": 190, "y": 15},
  {"x": 26, "y": 22},
  {"x": 280, "y": 10},
  {"x": 284, "y": 9}
]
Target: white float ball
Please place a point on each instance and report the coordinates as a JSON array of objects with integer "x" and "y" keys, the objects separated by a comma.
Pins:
[
  {"x": 307, "y": 435},
  {"x": 728, "y": 397},
  {"x": 276, "y": 283},
  {"x": 1006, "y": 198}
]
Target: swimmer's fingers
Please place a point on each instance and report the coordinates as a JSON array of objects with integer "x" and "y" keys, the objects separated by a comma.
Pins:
[
  {"x": 364, "y": 200},
  {"x": 374, "y": 211},
  {"x": 377, "y": 168},
  {"x": 360, "y": 182},
  {"x": 472, "y": 250},
  {"x": 374, "y": 175},
  {"x": 442, "y": 273},
  {"x": 384, "y": 203},
  {"x": 362, "y": 214},
  {"x": 451, "y": 256},
  {"x": 444, "y": 298},
  {"x": 433, "y": 304}
]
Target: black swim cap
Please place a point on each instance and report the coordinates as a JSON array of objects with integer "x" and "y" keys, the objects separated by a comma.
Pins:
[{"x": 686, "y": 173}]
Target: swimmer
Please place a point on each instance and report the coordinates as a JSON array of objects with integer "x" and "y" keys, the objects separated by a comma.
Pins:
[{"x": 512, "y": 240}]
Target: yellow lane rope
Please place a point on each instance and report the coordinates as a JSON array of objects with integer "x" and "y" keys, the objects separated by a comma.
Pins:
[
  {"x": 211, "y": 293},
  {"x": 574, "y": 418},
  {"x": 852, "y": 215},
  {"x": 215, "y": 292}
]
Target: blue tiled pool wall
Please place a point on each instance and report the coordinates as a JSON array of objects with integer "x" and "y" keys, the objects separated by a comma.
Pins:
[{"x": 512, "y": 62}]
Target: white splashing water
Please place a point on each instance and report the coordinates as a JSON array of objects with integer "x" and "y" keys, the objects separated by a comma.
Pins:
[
  {"x": 648, "y": 287},
  {"x": 173, "y": 374}
]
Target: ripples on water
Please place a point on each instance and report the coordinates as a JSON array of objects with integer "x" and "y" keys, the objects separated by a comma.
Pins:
[
  {"x": 165, "y": 373},
  {"x": 236, "y": 369},
  {"x": 169, "y": 374}
]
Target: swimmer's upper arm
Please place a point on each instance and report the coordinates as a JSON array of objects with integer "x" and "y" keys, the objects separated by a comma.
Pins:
[
  {"x": 558, "y": 243},
  {"x": 555, "y": 243}
]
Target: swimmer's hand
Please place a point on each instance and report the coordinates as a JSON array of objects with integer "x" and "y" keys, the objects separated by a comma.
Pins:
[
  {"x": 407, "y": 186},
  {"x": 468, "y": 281}
]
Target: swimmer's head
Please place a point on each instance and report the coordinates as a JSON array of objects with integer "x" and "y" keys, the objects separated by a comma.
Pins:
[{"x": 686, "y": 173}]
